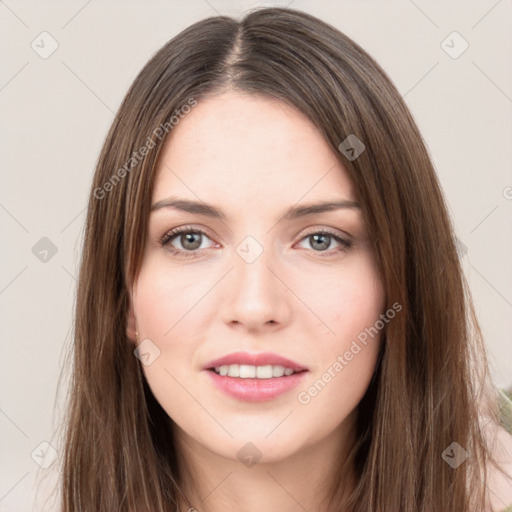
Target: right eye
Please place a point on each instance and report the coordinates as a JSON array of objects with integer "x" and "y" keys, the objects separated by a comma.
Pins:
[{"x": 189, "y": 238}]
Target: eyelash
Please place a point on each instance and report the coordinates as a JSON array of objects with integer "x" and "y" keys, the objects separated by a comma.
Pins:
[{"x": 166, "y": 239}]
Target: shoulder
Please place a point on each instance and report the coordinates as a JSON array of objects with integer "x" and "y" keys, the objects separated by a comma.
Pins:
[{"x": 500, "y": 436}]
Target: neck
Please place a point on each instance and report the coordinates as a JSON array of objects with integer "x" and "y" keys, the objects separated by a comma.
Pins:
[{"x": 303, "y": 480}]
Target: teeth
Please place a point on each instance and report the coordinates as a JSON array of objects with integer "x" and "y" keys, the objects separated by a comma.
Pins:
[
  {"x": 233, "y": 370},
  {"x": 247, "y": 371},
  {"x": 264, "y": 372},
  {"x": 279, "y": 371}
]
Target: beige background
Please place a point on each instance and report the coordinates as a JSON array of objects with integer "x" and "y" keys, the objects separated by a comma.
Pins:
[{"x": 56, "y": 112}]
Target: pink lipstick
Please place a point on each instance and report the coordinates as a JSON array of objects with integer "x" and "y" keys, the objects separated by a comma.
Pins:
[{"x": 255, "y": 377}]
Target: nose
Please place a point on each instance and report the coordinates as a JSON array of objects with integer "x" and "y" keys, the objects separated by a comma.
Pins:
[{"x": 257, "y": 296}]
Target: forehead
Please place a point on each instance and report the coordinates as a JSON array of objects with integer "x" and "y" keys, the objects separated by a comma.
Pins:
[{"x": 240, "y": 147}]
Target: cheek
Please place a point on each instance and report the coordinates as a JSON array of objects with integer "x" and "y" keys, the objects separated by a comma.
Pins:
[
  {"x": 168, "y": 313},
  {"x": 168, "y": 299},
  {"x": 351, "y": 309},
  {"x": 344, "y": 299}
]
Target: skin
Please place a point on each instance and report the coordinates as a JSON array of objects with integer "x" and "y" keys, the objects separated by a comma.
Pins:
[
  {"x": 500, "y": 484},
  {"x": 254, "y": 157}
]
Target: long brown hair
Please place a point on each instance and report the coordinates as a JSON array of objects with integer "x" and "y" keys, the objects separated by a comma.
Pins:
[{"x": 428, "y": 387}]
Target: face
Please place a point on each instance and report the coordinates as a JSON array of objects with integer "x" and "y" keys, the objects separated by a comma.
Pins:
[{"x": 250, "y": 279}]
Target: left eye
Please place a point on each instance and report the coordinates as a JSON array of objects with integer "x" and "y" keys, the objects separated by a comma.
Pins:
[{"x": 322, "y": 241}]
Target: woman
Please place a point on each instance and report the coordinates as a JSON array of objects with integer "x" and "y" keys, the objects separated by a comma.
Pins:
[{"x": 271, "y": 312}]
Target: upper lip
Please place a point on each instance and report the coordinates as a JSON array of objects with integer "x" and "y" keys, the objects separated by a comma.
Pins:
[{"x": 260, "y": 359}]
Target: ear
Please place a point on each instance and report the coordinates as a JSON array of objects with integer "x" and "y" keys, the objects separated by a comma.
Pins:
[{"x": 130, "y": 324}]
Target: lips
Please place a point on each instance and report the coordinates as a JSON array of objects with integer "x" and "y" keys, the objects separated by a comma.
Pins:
[
  {"x": 234, "y": 375},
  {"x": 261, "y": 359}
]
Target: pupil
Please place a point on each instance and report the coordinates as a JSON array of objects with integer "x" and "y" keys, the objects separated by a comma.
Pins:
[
  {"x": 323, "y": 244},
  {"x": 189, "y": 238}
]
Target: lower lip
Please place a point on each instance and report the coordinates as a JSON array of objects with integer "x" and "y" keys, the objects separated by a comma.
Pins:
[{"x": 256, "y": 390}]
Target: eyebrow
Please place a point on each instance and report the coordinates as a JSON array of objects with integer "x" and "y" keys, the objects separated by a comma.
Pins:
[{"x": 292, "y": 213}]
